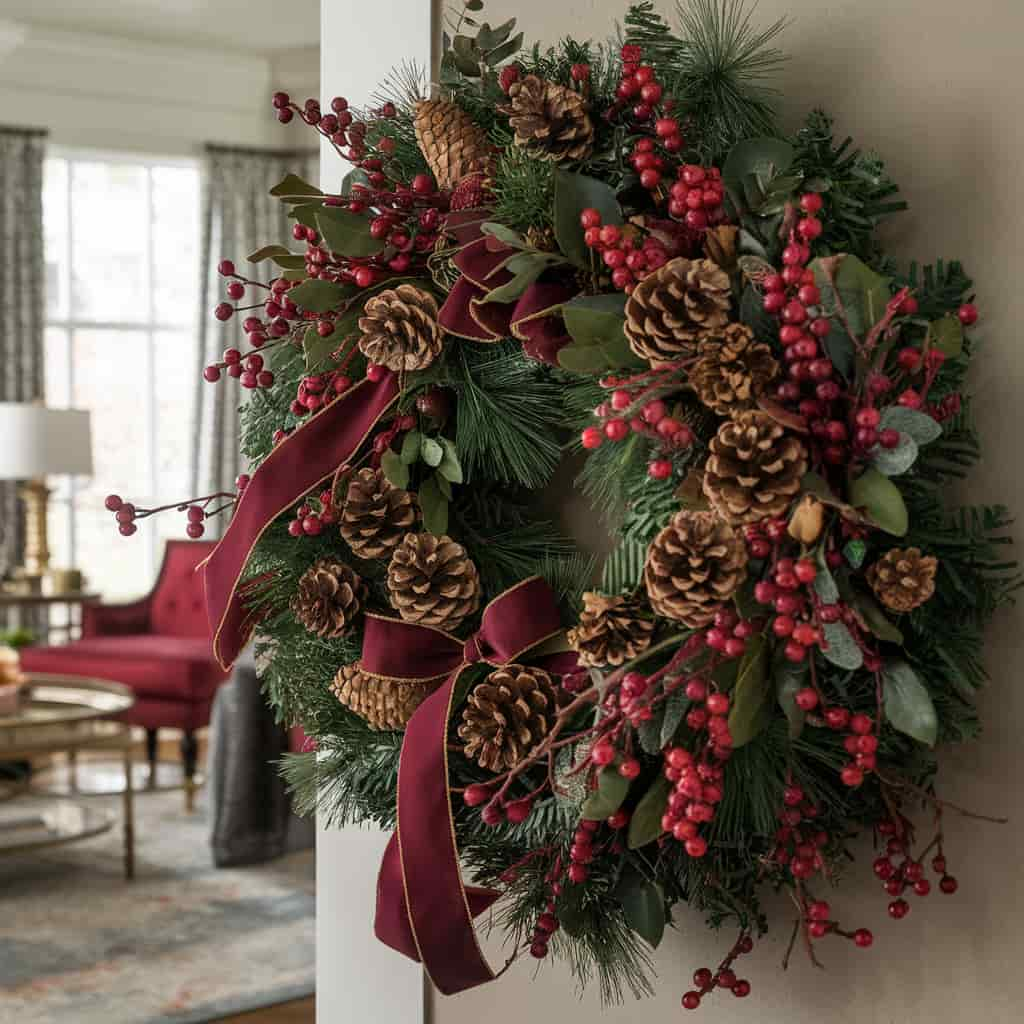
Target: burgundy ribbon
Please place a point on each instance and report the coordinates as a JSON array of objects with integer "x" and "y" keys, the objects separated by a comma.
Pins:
[
  {"x": 424, "y": 909},
  {"x": 308, "y": 457}
]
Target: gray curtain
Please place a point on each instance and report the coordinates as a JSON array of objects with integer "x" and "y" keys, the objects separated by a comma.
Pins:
[
  {"x": 22, "y": 273},
  {"x": 238, "y": 217}
]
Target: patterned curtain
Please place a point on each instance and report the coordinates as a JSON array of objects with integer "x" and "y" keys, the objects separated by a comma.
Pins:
[
  {"x": 22, "y": 273},
  {"x": 238, "y": 217}
]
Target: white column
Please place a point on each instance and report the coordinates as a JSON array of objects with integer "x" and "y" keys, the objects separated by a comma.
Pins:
[{"x": 358, "y": 978}]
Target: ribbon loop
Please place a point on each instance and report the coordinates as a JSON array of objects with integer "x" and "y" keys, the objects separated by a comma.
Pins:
[{"x": 475, "y": 649}]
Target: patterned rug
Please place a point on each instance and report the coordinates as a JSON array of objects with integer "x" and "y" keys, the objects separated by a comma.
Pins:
[{"x": 184, "y": 943}]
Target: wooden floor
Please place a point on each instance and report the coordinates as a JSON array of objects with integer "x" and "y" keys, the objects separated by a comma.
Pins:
[{"x": 300, "y": 1012}]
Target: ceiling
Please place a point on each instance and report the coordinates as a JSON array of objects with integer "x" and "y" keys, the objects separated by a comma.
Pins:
[{"x": 245, "y": 26}]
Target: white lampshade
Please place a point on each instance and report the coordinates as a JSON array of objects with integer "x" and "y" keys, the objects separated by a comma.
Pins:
[{"x": 36, "y": 441}]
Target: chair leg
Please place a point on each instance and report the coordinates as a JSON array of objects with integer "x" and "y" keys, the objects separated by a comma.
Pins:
[
  {"x": 189, "y": 754},
  {"x": 151, "y": 751}
]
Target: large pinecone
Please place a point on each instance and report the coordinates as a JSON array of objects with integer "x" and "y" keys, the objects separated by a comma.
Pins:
[
  {"x": 671, "y": 308},
  {"x": 382, "y": 703},
  {"x": 507, "y": 715},
  {"x": 612, "y": 629},
  {"x": 453, "y": 144},
  {"x": 328, "y": 599},
  {"x": 550, "y": 121},
  {"x": 903, "y": 578},
  {"x": 733, "y": 370},
  {"x": 376, "y": 515},
  {"x": 400, "y": 328},
  {"x": 754, "y": 469},
  {"x": 695, "y": 564},
  {"x": 432, "y": 581}
]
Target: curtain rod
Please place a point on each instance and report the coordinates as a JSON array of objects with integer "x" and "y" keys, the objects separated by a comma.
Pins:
[
  {"x": 13, "y": 129},
  {"x": 214, "y": 147}
]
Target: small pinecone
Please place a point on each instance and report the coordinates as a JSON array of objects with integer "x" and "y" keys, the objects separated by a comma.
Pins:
[
  {"x": 903, "y": 578},
  {"x": 673, "y": 307},
  {"x": 400, "y": 329},
  {"x": 695, "y": 564},
  {"x": 432, "y": 581},
  {"x": 383, "y": 703},
  {"x": 453, "y": 144},
  {"x": 542, "y": 239},
  {"x": 612, "y": 629},
  {"x": 376, "y": 515},
  {"x": 733, "y": 370},
  {"x": 507, "y": 715},
  {"x": 328, "y": 599},
  {"x": 754, "y": 469},
  {"x": 471, "y": 191},
  {"x": 550, "y": 121}
]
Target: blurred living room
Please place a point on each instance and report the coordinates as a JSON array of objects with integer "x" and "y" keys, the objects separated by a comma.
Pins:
[{"x": 138, "y": 146}]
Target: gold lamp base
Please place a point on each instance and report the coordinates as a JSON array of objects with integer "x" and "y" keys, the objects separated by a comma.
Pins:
[{"x": 35, "y": 494}]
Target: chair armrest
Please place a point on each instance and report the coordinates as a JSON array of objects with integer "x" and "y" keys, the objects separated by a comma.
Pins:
[{"x": 115, "y": 619}]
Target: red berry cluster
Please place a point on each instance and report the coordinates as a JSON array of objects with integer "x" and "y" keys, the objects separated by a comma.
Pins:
[
  {"x": 697, "y": 780},
  {"x": 789, "y": 591},
  {"x": 310, "y": 520},
  {"x": 581, "y": 853},
  {"x": 819, "y": 923},
  {"x": 318, "y": 390},
  {"x": 640, "y": 87},
  {"x": 124, "y": 514},
  {"x": 705, "y": 981},
  {"x": 697, "y": 197},
  {"x": 798, "y": 839},
  {"x": 629, "y": 254},
  {"x": 546, "y": 926},
  {"x": 197, "y": 510},
  {"x": 897, "y": 878}
]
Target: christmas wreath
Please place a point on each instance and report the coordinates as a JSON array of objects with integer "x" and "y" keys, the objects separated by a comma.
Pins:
[{"x": 607, "y": 249}]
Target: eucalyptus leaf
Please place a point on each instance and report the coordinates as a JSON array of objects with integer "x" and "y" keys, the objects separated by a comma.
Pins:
[
  {"x": 764, "y": 156},
  {"x": 882, "y": 500},
  {"x": 503, "y": 234},
  {"x": 517, "y": 285},
  {"x": 840, "y": 648},
  {"x": 395, "y": 470},
  {"x": 675, "y": 707},
  {"x": 434, "y": 506},
  {"x": 575, "y": 193},
  {"x": 917, "y": 425},
  {"x": 450, "y": 468},
  {"x": 595, "y": 319},
  {"x": 854, "y": 551},
  {"x": 895, "y": 461},
  {"x": 824, "y": 583},
  {"x": 411, "y": 447},
  {"x": 431, "y": 452},
  {"x": 499, "y": 53},
  {"x": 645, "y": 825},
  {"x": 643, "y": 905},
  {"x": 750, "y": 694},
  {"x": 908, "y": 705},
  {"x": 875, "y": 619},
  {"x": 789, "y": 679},
  {"x": 604, "y": 801},
  {"x": 269, "y": 252}
]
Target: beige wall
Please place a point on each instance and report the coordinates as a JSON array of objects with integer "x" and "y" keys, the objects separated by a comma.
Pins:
[{"x": 938, "y": 87}]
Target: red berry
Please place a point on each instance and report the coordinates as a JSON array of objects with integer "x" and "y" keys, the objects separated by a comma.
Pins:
[
  {"x": 592, "y": 438},
  {"x": 852, "y": 776},
  {"x": 702, "y": 977},
  {"x": 697, "y": 846},
  {"x": 861, "y": 724},
  {"x": 691, "y": 1000},
  {"x": 807, "y": 698},
  {"x": 948, "y": 884},
  {"x": 967, "y": 314},
  {"x": 660, "y": 469},
  {"x": 863, "y": 938},
  {"x": 899, "y": 909},
  {"x": 475, "y": 795},
  {"x": 590, "y": 218},
  {"x": 811, "y": 202},
  {"x": 113, "y": 502},
  {"x": 602, "y": 753},
  {"x": 805, "y": 570},
  {"x": 741, "y": 989},
  {"x": 539, "y": 949}
]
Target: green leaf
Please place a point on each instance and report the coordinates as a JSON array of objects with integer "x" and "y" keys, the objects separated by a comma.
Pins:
[
  {"x": 645, "y": 825},
  {"x": 305, "y": 214},
  {"x": 488, "y": 38},
  {"x": 279, "y": 254},
  {"x": 840, "y": 648},
  {"x": 575, "y": 193},
  {"x": 520, "y": 281},
  {"x": 750, "y": 694},
  {"x": 474, "y": 5},
  {"x": 895, "y": 461},
  {"x": 292, "y": 185},
  {"x": 624, "y": 566},
  {"x": 790, "y": 678},
  {"x": 466, "y": 56},
  {"x": 431, "y": 452},
  {"x": 649, "y": 731},
  {"x": 876, "y": 619},
  {"x": 882, "y": 500},
  {"x": 643, "y": 905},
  {"x": 347, "y": 233},
  {"x": 596, "y": 321},
  {"x": 824, "y": 583},
  {"x": 356, "y": 176},
  {"x": 503, "y": 234},
  {"x": 854, "y": 552},
  {"x": 396, "y": 471},
  {"x": 319, "y": 350},
  {"x": 604, "y": 801},
  {"x": 449, "y": 467},
  {"x": 411, "y": 447},
  {"x": 675, "y": 707},
  {"x": 499, "y": 53},
  {"x": 434, "y": 506},
  {"x": 583, "y": 359},
  {"x": 764, "y": 157},
  {"x": 916, "y": 425},
  {"x": 908, "y": 705},
  {"x": 445, "y": 485},
  {"x": 947, "y": 335},
  {"x": 320, "y": 296}
]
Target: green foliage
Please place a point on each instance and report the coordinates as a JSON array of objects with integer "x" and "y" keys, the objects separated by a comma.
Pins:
[{"x": 524, "y": 191}]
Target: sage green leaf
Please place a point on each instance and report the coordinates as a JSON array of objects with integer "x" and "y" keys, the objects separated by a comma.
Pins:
[
  {"x": 882, "y": 500},
  {"x": 908, "y": 705},
  {"x": 499, "y": 53},
  {"x": 305, "y": 214},
  {"x": 824, "y": 583},
  {"x": 611, "y": 791},
  {"x": 291, "y": 186},
  {"x": 649, "y": 731},
  {"x": 503, "y": 234},
  {"x": 395, "y": 470},
  {"x": 595, "y": 319},
  {"x": 431, "y": 452},
  {"x": 445, "y": 485},
  {"x": 875, "y": 619},
  {"x": 575, "y": 193},
  {"x": 583, "y": 359},
  {"x": 675, "y": 707},
  {"x": 947, "y": 335},
  {"x": 764, "y": 157},
  {"x": 645, "y": 825},
  {"x": 411, "y": 447},
  {"x": 643, "y": 905},
  {"x": 914, "y": 424},
  {"x": 517, "y": 285},
  {"x": 450, "y": 468},
  {"x": 434, "y": 506},
  {"x": 320, "y": 296},
  {"x": 840, "y": 648},
  {"x": 347, "y": 233},
  {"x": 269, "y": 252},
  {"x": 789, "y": 679},
  {"x": 750, "y": 694},
  {"x": 895, "y": 461}
]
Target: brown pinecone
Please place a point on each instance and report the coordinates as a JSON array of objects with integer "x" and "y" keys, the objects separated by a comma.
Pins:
[
  {"x": 754, "y": 469},
  {"x": 612, "y": 629},
  {"x": 400, "y": 328},
  {"x": 328, "y": 599},
  {"x": 733, "y": 370},
  {"x": 453, "y": 144},
  {"x": 903, "y": 578},
  {"x": 674, "y": 306},
  {"x": 383, "y": 703},
  {"x": 507, "y": 715},
  {"x": 432, "y": 581},
  {"x": 376, "y": 514},
  {"x": 550, "y": 121},
  {"x": 695, "y": 564}
]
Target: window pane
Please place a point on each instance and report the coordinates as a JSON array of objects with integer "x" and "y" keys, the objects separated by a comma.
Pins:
[
  {"x": 57, "y": 367},
  {"x": 176, "y": 245},
  {"x": 109, "y": 236},
  {"x": 55, "y": 234}
]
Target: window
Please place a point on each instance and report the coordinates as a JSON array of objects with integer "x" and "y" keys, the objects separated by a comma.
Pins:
[{"x": 122, "y": 265}]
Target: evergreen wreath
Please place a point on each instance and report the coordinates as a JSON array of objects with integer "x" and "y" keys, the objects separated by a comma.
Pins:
[{"x": 610, "y": 243}]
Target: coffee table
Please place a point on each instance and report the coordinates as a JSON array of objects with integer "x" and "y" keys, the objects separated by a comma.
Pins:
[{"x": 66, "y": 714}]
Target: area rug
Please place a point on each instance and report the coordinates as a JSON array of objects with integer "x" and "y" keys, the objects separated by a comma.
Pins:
[{"x": 184, "y": 943}]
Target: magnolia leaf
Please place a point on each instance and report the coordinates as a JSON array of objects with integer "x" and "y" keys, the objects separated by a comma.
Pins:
[
  {"x": 503, "y": 234},
  {"x": 645, "y": 825},
  {"x": 434, "y": 506},
  {"x": 595, "y": 319},
  {"x": 583, "y": 359},
  {"x": 319, "y": 350},
  {"x": 649, "y": 731},
  {"x": 611, "y": 791},
  {"x": 764, "y": 157},
  {"x": 750, "y": 694},
  {"x": 918, "y": 426},
  {"x": 895, "y": 461},
  {"x": 320, "y": 296},
  {"x": 908, "y": 705},
  {"x": 449, "y": 467},
  {"x": 789, "y": 679},
  {"x": 411, "y": 447},
  {"x": 575, "y": 193},
  {"x": 291, "y": 186},
  {"x": 675, "y": 707},
  {"x": 643, "y": 905},
  {"x": 396, "y": 471},
  {"x": 882, "y": 500},
  {"x": 840, "y": 648},
  {"x": 445, "y": 485},
  {"x": 947, "y": 335},
  {"x": 306, "y": 213},
  {"x": 431, "y": 452},
  {"x": 875, "y": 619},
  {"x": 347, "y": 233}
]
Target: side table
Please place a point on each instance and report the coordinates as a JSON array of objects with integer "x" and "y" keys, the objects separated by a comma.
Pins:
[{"x": 29, "y": 603}]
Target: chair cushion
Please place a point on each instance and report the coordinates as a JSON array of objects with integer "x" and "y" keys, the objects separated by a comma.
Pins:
[
  {"x": 172, "y": 668},
  {"x": 178, "y": 603}
]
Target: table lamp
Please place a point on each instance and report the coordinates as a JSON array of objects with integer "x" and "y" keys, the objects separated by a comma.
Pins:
[{"x": 38, "y": 441}]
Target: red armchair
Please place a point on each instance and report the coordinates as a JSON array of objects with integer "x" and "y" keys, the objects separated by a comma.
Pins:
[{"x": 159, "y": 646}]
